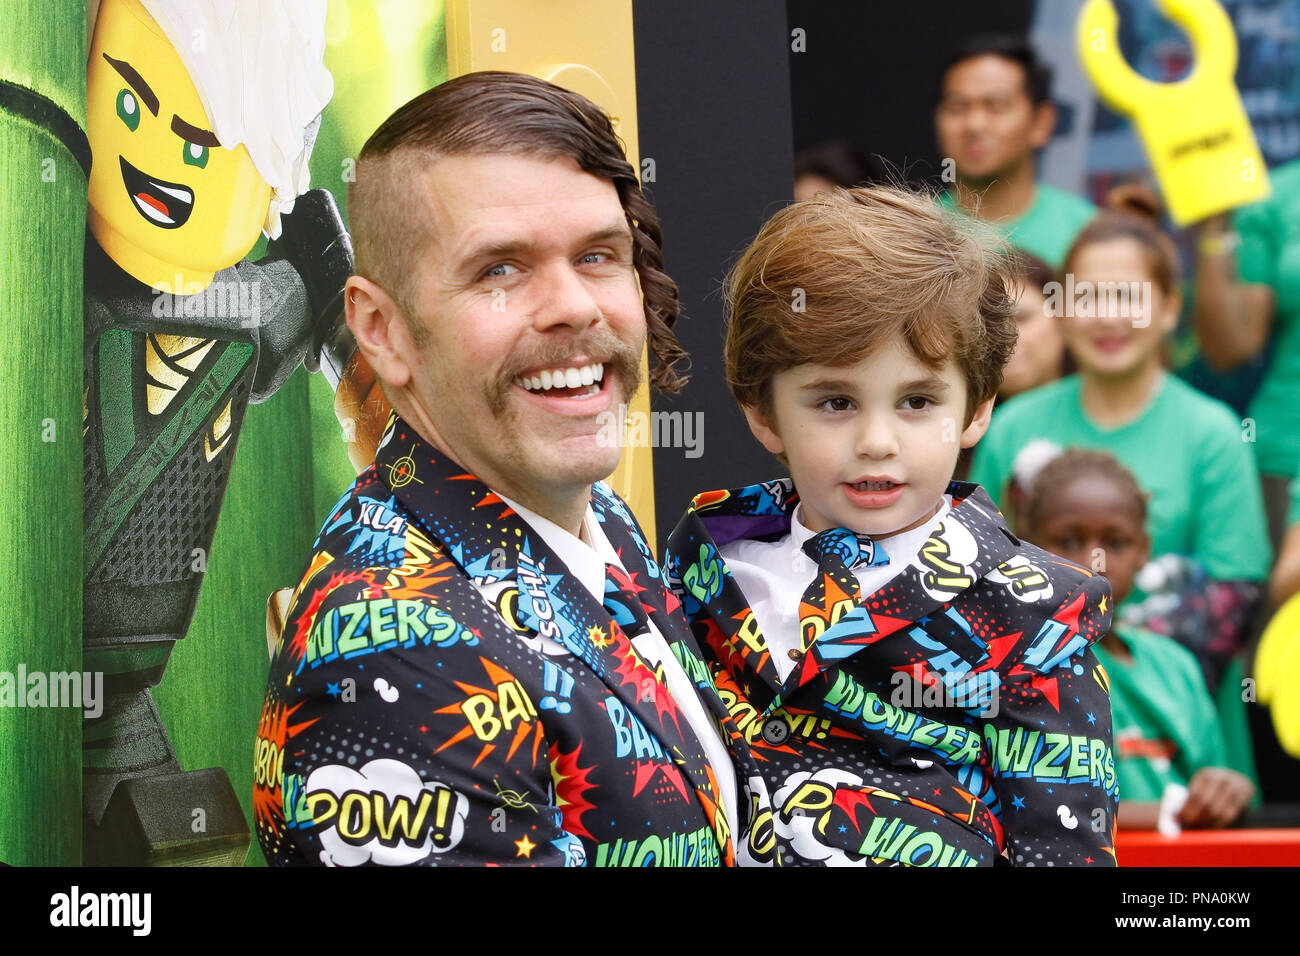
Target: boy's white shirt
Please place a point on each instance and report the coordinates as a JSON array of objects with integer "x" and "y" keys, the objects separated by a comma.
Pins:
[
  {"x": 774, "y": 575},
  {"x": 586, "y": 558}
]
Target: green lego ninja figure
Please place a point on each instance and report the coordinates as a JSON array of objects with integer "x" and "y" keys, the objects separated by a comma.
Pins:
[{"x": 200, "y": 125}]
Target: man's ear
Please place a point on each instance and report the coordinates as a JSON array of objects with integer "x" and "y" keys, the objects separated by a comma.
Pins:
[
  {"x": 979, "y": 423},
  {"x": 1173, "y": 307},
  {"x": 763, "y": 430},
  {"x": 377, "y": 324},
  {"x": 1044, "y": 122}
]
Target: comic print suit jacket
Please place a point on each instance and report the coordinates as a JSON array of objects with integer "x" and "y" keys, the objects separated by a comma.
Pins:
[
  {"x": 955, "y": 717},
  {"x": 408, "y": 720}
]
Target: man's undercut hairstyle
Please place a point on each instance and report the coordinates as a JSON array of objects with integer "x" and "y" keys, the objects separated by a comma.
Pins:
[
  {"x": 830, "y": 280},
  {"x": 499, "y": 113},
  {"x": 1038, "y": 75}
]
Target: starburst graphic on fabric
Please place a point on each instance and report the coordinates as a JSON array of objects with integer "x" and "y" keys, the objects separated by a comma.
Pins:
[
  {"x": 273, "y": 732},
  {"x": 633, "y": 671},
  {"x": 571, "y": 781},
  {"x": 298, "y": 643},
  {"x": 508, "y": 706}
]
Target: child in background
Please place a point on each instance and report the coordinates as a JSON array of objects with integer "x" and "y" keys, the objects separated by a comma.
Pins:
[
  {"x": 1189, "y": 451},
  {"x": 915, "y": 681},
  {"x": 1087, "y": 507}
]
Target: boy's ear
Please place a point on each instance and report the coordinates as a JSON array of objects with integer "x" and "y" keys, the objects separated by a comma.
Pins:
[
  {"x": 979, "y": 423},
  {"x": 763, "y": 431}
]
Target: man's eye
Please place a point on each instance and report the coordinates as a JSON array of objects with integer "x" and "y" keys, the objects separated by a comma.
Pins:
[
  {"x": 595, "y": 258},
  {"x": 500, "y": 271}
]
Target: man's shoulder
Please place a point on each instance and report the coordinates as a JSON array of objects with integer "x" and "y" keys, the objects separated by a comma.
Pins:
[{"x": 1061, "y": 202}]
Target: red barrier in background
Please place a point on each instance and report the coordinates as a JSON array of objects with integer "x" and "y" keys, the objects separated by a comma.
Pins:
[{"x": 1209, "y": 848}]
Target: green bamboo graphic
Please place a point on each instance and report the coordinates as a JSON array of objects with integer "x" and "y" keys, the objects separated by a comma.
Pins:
[{"x": 43, "y": 193}]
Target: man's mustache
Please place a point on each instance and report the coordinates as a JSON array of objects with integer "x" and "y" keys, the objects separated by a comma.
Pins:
[{"x": 605, "y": 347}]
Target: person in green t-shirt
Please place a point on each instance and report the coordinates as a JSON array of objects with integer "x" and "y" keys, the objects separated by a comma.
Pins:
[
  {"x": 994, "y": 113},
  {"x": 1285, "y": 580},
  {"x": 1088, "y": 508},
  {"x": 1186, "y": 449},
  {"x": 1248, "y": 291}
]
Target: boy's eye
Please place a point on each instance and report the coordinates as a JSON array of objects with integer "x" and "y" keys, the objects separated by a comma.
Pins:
[
  {"x": 128, "y": 110},
  {"x": 917, "y": 403},
  {"x": 837, "y": 404},
  {"x": 195, "y": 155}
]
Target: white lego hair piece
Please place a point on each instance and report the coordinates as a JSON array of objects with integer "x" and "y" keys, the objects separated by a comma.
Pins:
[{"x": 259, "y": 69}]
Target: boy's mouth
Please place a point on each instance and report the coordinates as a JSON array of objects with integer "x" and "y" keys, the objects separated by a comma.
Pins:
[{"x": 882, "y": 485}]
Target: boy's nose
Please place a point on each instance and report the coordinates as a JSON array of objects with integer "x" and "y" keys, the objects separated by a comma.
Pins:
[{"x": 876, "y": 436}]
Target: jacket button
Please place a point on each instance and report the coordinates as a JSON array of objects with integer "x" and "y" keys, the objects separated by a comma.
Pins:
[
  {"x": 794, "y": 653},
  {"x": 776, "y": 730}
]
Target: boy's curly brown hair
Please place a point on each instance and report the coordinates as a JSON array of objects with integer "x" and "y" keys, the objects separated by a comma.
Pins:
[{"x": 831, "y": 279}]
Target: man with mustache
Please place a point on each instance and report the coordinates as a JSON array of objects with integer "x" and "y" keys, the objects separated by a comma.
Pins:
[{"x": 482, "y": 664}]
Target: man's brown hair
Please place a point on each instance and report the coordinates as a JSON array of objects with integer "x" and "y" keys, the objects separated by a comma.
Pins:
[
  {"x": 830, "y": 280},
  {"x": 495, "y": 113}
]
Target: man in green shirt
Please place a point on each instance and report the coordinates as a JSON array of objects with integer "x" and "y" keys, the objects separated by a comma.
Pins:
[{"x": 994, "y": 113}]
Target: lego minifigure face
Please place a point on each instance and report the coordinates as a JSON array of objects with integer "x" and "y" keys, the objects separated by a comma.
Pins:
[{"x": 165, "y": 197}]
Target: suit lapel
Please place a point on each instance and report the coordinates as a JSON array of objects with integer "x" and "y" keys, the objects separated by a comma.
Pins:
[
  {"x": 971, "y": 541},
  {"x": 492, "y": 543}
]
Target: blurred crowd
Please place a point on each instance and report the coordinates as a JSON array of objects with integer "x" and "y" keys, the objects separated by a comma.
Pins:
[{"x": 1100, "y": 452}]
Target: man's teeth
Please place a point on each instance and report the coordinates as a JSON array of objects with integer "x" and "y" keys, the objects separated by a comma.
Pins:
[
  {"x": 564, "y": 378},
  {"x": 874, "y": 485}
]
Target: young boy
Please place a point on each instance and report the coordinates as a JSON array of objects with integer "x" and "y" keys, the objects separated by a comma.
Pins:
[{"x": 938, "y": 703}]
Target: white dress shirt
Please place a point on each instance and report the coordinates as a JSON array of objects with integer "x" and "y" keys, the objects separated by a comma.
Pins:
[
  {"x": 774, "y": 575},
  {"x": 586, "y": 558}
]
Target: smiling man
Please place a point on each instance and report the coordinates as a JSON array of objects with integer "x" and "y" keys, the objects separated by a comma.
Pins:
[
  {"x": 995, "y": 112},
  {"x": 481, "y": 664}
]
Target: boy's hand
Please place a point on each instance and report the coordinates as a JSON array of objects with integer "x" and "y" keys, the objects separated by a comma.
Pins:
[{"x": 1216, "y": 797}]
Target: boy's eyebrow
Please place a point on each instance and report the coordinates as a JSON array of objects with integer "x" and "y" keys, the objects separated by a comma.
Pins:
[
  {"x": 827, "y": 384},
  {"x": 136, "y": 82},
  {"x": 931, "y": 383}
]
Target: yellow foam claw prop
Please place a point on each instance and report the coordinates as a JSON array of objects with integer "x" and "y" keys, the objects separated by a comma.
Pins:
[{"x": 1195, "y": 132}]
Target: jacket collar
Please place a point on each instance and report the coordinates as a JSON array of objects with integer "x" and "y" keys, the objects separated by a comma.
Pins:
[
  {"x": 491, "y": 542},
  {"x": 970, "y": 541}
]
